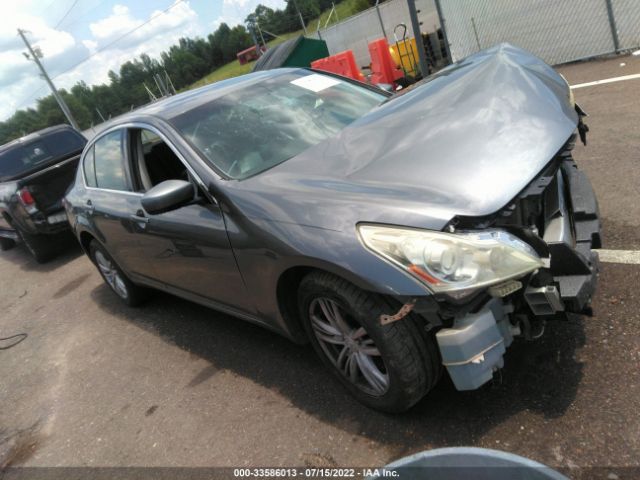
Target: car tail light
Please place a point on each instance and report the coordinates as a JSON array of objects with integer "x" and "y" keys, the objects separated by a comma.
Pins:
[{"x": 27, "y": 199}]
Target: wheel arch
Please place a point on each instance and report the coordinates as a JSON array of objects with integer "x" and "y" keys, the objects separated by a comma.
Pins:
[
  {"x": 7, "y": 217},
  {"x": 287, "y": 294},
  {"x": 85, "y": 239},
  {"x": 287, "y": 298}
]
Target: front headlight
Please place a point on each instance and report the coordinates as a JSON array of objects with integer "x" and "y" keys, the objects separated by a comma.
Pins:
[{"x": 456, "y": 263}]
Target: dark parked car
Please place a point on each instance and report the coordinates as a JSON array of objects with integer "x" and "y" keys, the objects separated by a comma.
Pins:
[
  {"x": 397, "y": 234},
  {"x": 35, "y": 173}
]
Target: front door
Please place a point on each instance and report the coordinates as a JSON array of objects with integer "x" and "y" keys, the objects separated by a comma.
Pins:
[{"x": 188, "y": 247}]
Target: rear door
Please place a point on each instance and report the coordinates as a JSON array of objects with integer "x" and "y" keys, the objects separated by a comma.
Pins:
[{"x": 189, "y": 246}]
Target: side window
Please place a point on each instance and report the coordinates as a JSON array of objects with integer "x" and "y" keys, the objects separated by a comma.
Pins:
[
  {"x": 156, "y": 161},
  {"x": 109, "y": 162},
  {"x": 90, "y": 169}
]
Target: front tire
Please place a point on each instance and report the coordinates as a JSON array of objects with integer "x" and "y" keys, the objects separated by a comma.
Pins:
[
  {"x": 6, "y": 243},
  {"x": 114, "y": 277},
  {"x": 388, "y": 368}
]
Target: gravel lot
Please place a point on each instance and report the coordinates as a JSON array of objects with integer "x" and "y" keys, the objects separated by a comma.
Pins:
[{"x": 174, "y": 384}]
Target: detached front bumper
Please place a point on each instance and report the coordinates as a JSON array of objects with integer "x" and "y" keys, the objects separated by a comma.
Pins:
[{"x": 472, "y": 348}]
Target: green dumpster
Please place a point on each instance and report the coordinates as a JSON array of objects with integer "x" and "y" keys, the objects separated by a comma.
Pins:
[{"x": 295, "y": 52}]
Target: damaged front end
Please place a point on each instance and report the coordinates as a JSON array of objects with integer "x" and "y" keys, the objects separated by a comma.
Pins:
[
  {"x": 556, "y": 217},
  {"x": 557, "y": 214}
]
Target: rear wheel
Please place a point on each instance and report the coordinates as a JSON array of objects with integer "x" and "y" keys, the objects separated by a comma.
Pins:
[
  {"x": 124, "y": 288},
  {"x": 6, "y": 243},
  {"x": 388, "y": 368},
  {"x": 41, "y": 247}
]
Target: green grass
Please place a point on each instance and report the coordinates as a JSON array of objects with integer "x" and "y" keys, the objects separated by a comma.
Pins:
[
  {"x": 344, "y": 9},
  {"x": 232, "y": 69}
]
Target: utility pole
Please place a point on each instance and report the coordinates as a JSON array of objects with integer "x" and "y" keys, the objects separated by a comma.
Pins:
[
  {"x": 261, "y": 36},
  {"x": 304, "y": 27},
  {"x": 252, "y": 31},
  {"x": 35, "y": 56},
  {"x": 417, "y": 34}
]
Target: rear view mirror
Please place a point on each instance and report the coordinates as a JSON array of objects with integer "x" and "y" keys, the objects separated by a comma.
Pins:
[{"x": 168, "y": 195}]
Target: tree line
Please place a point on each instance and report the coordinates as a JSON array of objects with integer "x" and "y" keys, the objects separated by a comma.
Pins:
[
  {"x": 280, "y": 21},
  {"x": 185, "y": 63}
]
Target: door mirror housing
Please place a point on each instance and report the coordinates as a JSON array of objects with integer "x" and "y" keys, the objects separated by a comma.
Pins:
[{"x": 168, "y": 195}]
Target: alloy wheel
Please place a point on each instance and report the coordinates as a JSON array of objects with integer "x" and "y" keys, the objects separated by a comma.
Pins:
[
  {"x": 111, "y": 275},
  {"x": 348, "y": 346}
]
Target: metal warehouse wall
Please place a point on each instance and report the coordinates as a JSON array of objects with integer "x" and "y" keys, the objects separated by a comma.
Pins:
[
  {"x": 355, "y": 33},
  {"x": 558, "y": 31}
]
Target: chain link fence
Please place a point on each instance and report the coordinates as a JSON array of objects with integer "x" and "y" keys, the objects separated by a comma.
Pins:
[
  {"x": 626, "y": 14},
  {"x": 557, "y": 31},
  {"x": 355, "y": 33}
]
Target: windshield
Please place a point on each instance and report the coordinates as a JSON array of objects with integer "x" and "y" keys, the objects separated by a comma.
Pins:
[
  {"x": 254, "y": 128},
  {"x": 30, "y": 156}
]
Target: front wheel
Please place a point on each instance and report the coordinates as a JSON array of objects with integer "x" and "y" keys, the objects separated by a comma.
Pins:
[
  {"x": 124, "y": 288},
  {"x": 6, "y": 243},
  {"x": 386, "y": 367}
]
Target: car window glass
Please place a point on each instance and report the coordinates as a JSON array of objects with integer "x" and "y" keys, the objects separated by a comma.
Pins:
[
  {"x": 37, "y": 154},
  {"x": 89, "y": 169},
  {"x": 157, "y": 162},
  {"x": 63, "y": 143},
  {"x": 249, "y": 130},
  {"x": 109, "y": 162}
]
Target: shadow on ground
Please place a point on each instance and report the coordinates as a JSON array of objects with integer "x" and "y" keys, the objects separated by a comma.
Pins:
[
  {"x": 67, "y": 250},
  {"x": 542, "y": 376}
]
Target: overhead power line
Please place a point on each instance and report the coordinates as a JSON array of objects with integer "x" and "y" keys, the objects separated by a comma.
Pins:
[
  {"x": 103, "y": 49},
  {"x": 65, "y": 14},
  {"x": 126, "y": 34}
]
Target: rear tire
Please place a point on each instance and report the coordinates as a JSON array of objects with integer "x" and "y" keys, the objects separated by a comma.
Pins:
[
  {"x": 114, "y": 277},
  {"x": 402, "y": 364},
  {"x": 41, "y": 247},
  {"x": 6, "y": 244}
]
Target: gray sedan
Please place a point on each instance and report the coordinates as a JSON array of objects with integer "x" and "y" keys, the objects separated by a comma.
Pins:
[{"x": 398, "y": 235}]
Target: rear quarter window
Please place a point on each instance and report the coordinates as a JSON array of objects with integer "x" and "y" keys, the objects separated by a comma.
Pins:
[{"x": 89, "y": 169}]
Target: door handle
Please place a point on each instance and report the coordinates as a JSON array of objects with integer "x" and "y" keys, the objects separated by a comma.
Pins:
[{"x": 139, "y": 218}]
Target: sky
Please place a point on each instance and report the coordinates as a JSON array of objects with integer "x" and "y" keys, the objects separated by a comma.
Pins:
[{"x": 70, "y": 31}]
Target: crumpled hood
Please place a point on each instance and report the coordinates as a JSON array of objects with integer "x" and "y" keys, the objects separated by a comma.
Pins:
[{"x": 463, "y": 142}]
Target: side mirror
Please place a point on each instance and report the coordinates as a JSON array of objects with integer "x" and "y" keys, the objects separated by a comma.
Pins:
[{"x": 168, "y": 195}]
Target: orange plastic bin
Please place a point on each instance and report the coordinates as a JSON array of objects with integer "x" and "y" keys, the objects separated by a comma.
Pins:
[
  {"x": 343, "y": 63},
  {"x": 383, "y": 67}
]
